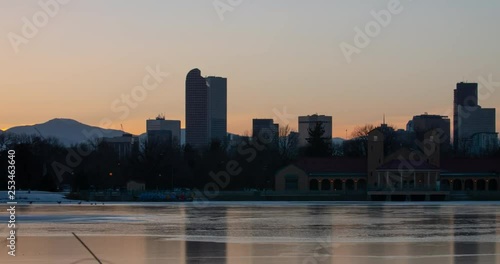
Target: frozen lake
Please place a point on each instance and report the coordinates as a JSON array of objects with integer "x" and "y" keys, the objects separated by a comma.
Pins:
[{"x": 272, "y": 232}]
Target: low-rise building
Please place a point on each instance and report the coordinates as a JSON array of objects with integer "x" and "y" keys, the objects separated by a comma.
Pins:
[
  {"x": 161, "y": 130},
  {"x": 405, "y": 174},
  {"x": 323, "y": 174},
  {"x": 309, "y": 122},
  {"x": 484, "y": 144},
  {"x": 125, "y": 146}
]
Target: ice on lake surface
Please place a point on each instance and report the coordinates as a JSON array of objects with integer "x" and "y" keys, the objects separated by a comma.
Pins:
[{"x": 257, "y": 232}]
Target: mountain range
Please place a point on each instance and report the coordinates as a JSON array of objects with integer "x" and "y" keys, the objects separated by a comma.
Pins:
[{"x": 68, "y": 131}]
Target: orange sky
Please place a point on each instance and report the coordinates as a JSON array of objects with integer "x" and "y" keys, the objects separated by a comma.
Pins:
[{"x": 275, "y": 55}]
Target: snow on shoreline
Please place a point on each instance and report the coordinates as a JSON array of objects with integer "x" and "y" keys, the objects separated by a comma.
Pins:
[
  {"x": 34, "y": 196},
  {"x": 42, "y": 197}
]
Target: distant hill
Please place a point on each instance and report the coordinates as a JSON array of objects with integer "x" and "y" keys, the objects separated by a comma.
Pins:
[{"x": 68, "y": 131}]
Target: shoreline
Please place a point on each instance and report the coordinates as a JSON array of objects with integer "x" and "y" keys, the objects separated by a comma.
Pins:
[{"x": 61, "y": 198}]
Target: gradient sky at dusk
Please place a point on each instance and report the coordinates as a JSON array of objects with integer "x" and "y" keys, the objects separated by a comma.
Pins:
[{"x": 275, "y": 54}]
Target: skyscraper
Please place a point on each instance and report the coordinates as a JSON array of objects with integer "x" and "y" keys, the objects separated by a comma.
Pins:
[
  {"x": 422, "y": 124},
  {"x": 474, "y": 121},
  {"x": 309, "y": 122},
  {"x": 464, "y": 95},
  {"x": 206, "y": 109},
  {"x": 469, "y": 118},
  {"x": 262, "y": 128},
  {"x": 484, "y": 144},
  {"x": 197, "y": 109},
  {"x": 217, "y": 87}
]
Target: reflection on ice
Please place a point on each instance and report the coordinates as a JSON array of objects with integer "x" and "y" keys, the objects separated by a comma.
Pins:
[
  {"x": 78, "y": 219},
  {"x": 270, "y": 232}
]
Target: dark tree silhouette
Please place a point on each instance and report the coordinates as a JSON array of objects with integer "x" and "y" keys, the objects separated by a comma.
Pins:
[
  {"x": 33, "y": 156},
  {"x": 319, "y": 145}
]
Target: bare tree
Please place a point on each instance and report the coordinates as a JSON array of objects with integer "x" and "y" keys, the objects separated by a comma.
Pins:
[
  {"x": 357, "y": 146},
  {"x": 362, "y": 131},
  {"x": 287, "y": 143}
]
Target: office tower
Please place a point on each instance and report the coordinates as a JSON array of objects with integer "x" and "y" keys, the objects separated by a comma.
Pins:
[
  {"x": 473, "y": 121},
  {"x": 161, "y": 130},
  {"x": 464, "y": 95},
  {"x": 470, "y": 118},
  {"x": 422, "y": 124},
  {"x": 258, "y": 124},
  {"x": 309, "y": 122},
  {"x": 484, "y": 144},
  {"x": 217, "y": 87},
  {"x": 262, "y": 128},
  {"x": 197, "y": 110},
  {"x": 206, "y": 109}
]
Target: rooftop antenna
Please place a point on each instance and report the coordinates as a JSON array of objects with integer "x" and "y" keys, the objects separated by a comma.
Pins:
[
  {"x": 384, "y": 119},
  {"x": 160, "y": 116}
]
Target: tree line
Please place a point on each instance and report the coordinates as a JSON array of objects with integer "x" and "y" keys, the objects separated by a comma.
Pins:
[{"x": 42, "y": 163}]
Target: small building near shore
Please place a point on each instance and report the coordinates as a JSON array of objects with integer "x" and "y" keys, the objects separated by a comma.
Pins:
[
  {"x": 323, "y": 174},
  {"x": 470, "y": 174},
  {"x": 136, "y": 186}
]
